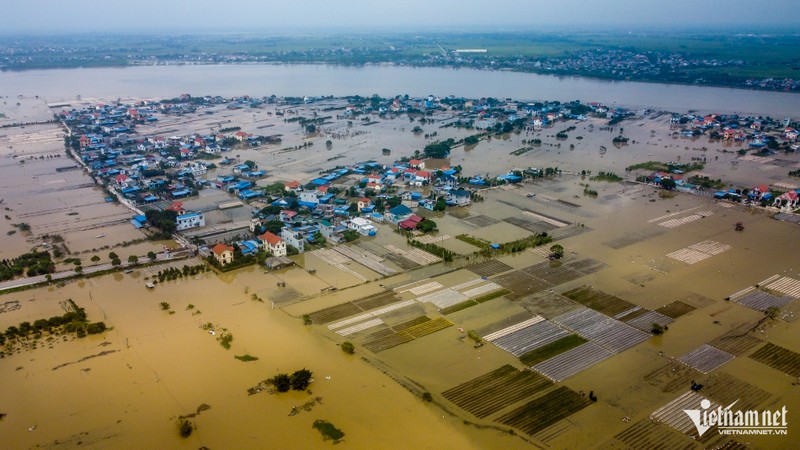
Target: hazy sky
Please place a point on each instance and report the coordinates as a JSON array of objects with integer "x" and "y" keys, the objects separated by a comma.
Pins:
[{"x": 47, "y": 16}]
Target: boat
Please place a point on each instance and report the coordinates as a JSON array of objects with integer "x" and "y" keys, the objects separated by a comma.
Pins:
[{"x": 100, "y": 236}]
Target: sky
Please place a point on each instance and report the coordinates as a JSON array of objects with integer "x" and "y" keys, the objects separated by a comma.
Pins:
[{"x": 75, "y": 16}]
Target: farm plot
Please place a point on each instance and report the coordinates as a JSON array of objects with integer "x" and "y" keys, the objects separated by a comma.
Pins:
[
  {"x": 599, "y": 300},
  {"x": 674, "y": 223},
  {"x": 404, "y": 332},
  {"x": 366, "y": 259},
  {"x": 337, "y": 260},
  {"x": 521, "y": 284},
  {"x": 529, "y": 225},
  {"x": 586, "y": 266},
  {"x": 706, "y": 358},
  {"x": 334, "y": 313},
  {"x": 785, "y": 285},
  {"x": 672, "y": 377},
  {"x": 675, "y": 309},
  {"x": 415, "y": 255},
  {"x": 699, "y": 251},
  {"x": 489, "y": 393},
  {"x": 548, "y": 304},
  {"x": 480, "y": 221},
  {"x": 551, "y": 349},
  {"x": 553, "y": 275},
  {"x": 778, "y": 358},
  {"x": 489, "y": 268},
  {"x": 570, "y": 362},
  {"x": 284, "y": 295},
  {"x": 647, "y": 434},
  {"x": 444, "y": 298},
  {"x": 376, "y": 300},
  {"x": 401, "y": 261},
  {"x": 370, "y": 314},
  {"x": 601, "y": 329},
  {"x": 429, "y": 327},
  {"x": 727, "y": 389},
  {"x": 419, "y": 289},
  {"x": 529, "y": 338},
  {"x": 633, "y": 238},
  {"x": 673, "y": 416},
  {"x": 359, "y": 327},
  {"x": 505, "y": 323},
  {"x": 761, "y": 301},
  {"x": 737, "y": 342},
  {"x": 645, "y": 321},
  {"x": 431, "y": 239},
  {"x": 544, "y": 411}
]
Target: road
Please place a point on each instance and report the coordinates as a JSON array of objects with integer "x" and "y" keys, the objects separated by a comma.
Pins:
[{"x": 161, "y": 257}]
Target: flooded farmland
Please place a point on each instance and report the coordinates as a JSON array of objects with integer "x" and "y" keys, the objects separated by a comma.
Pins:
[{"x": 513, "y": 350}]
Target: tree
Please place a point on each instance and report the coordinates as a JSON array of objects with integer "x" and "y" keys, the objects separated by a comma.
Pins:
[
  {"x": 164, "y": 306},
  {"x": 113, "y": 256},
  {"x": 348, "y": 347},
  {"x": 116, "y": 261},
  {"x": 185, "y": 428},
  {"x": 95, "y": 259},
  {"x": 426, "y": 225},
  {"x": 440, "y": 204},
  {"x": 668, "y": 183},
  {"x": 79, "y": 269},
  {"x": 300, "y": 379},
  {"x": 329, "y": 144},
  {"x": 133, "y": 259},
  {"x": 557, "y": 250},
  {"x": 151, "y": 255},
  {"x": 282, "y": 382}
]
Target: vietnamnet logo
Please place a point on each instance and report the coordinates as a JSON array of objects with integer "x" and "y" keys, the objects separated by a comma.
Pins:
[{"x": 738, "y": 422}]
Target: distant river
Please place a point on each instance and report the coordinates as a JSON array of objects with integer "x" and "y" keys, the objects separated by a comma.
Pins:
[{"x": 384, "y": 80}]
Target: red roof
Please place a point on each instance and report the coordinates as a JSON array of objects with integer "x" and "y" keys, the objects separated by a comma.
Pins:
[
  {"x": 221, "y": 248},
  {"x": 241, "y": 133},
  {"x": 415, "y": 161},
  {"x": 415, "y": 218},
  {"x": 175, "y": 206},
  {"x": 121, "y": 177},
  {"x": 364, "y": 200},
  {"x": 270, "y": 238},
  {"x": 289, "y": 213},
  {"x": 291, "y": 184},
  {"x": 423, "y": 174}
]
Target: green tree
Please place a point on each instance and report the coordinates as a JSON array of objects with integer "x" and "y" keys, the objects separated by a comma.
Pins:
[
  {"x": 426, "y": 225},
  {"x": 300, "y": 379},
  {"x": 440, "y": 204},
  {"x": 116, "y": 262},
  {"x": 79, "y": 269},
  {"x": 348, "y": 347},
  {"x": 95, "y": 259},
  {"x": 668, "y": 183},
  {"x": 164, "y": 306},
  {"x": 557, "y": 250},
  {"x": 151, "y": 255},
  {"x": 282, "y": 382},
  {"x": 113, "y": 256},
  {"x": 133, "y": 259}
]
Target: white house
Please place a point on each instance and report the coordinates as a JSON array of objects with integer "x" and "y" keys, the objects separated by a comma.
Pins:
[
  {"x": 273, "y": 244},
  {"x": 363, "y": 226},
  {"x": 189, "y": 220},
  {"x": 293, "y": 238}
]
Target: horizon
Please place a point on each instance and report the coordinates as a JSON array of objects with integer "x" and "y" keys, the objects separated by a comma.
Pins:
[{"x": 170, "y": 17}]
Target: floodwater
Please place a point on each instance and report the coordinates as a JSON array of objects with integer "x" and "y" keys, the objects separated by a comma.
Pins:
[
  {"x": 42, "y": 187},
  {"x": 384, "y": 80}
]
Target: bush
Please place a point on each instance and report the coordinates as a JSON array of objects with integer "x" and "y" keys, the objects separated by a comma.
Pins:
[
  {"x": 300, "y": 379},
  {"x": 185, "y": 428},
  {"x": 282, "y": 382},
  {"x": 348, "y": 347}
]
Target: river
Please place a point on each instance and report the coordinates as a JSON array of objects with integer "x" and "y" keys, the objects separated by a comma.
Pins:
[{"x": 384, "y": 80}]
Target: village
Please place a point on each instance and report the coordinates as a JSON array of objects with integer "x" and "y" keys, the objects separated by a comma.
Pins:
[{"x": 172, "y": 173}]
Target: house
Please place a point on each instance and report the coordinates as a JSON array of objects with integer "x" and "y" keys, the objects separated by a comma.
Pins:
[
  {"x": 363, "y": 226},
  {"x": 417, "y": 164},
  {"x": 177, "y": 207},
  {"x": 447, "y": 182},
  {"x": 308, "y": 199},
  {"x": 189, "y": 220},
  {"x": 122, "y": 180},
  {"x": 410, "y": 223},
  {"x": 293, "y": 238},
  {"x": 790, "y": 134},
  {"x": 292, "y": 186},
  {"x": 364, "y": 202},
  {"x": 240, "y": 136},
  {"x": 273, "y": 244},
  {"x": 287, "y": 216},
  {"x": 458, "y": 197},
  {"x": 398, "y": 214},
  {"x": 222, "y": 253}
]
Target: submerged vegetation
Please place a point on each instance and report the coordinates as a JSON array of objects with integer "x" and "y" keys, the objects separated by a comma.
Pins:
[
  {"x": 27, "y": 334},
  {"x": 328, "y": 431}
]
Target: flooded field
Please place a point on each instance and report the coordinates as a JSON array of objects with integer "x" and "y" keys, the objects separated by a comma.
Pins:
[
  {"x": 513, "y": 351},
  {"x": 45, "y": 189}
]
